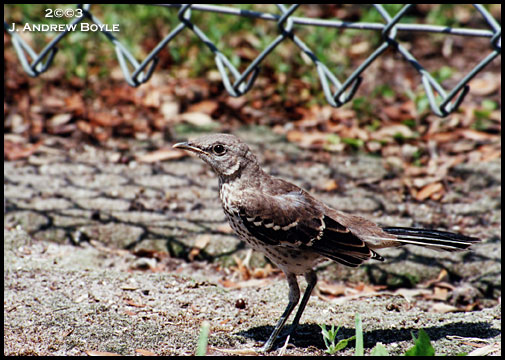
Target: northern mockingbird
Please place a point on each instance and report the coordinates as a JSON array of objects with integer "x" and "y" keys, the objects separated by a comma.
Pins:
[{"x": 292, "y": 228}]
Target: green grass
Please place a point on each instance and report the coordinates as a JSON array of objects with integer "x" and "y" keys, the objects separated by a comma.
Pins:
[
  {"x": 330, "y": 338},
  {"x": 203, "y": 339},
  {"x": 422, "y": 345}
]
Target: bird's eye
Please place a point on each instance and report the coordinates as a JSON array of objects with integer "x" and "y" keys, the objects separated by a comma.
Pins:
[{"x": 219, "y": 149}]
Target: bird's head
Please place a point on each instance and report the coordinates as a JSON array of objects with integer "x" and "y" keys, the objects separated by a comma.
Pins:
[{"x": 225, "y": 153}]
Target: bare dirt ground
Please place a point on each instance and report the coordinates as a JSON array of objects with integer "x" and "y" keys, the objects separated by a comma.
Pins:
[{"x": 105, "y": 253}]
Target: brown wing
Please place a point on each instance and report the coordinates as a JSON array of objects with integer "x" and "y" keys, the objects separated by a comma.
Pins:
[{"x": 294, "y": 218}]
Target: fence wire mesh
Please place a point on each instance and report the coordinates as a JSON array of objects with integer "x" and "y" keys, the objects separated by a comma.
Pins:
[{"x": 337, "y": 92}]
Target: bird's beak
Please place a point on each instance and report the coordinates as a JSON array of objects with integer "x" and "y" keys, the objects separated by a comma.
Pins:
[{"x": 186, "y": 146}]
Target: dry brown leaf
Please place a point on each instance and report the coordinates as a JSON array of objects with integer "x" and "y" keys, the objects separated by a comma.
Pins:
[
  {"x": 388, "y": 132},
  {"x": 445, "y": 285},
  {"x": 206, "y": 107},
  {"x": 438, "y": 294},
  {"x": 331, "y": 289},
  {"x": 261, "y": 273},
  {"x": 75, "y": 104},
  {"x": 421, "y": 182},
  {"x": 442, "y": 275},
  {"x": 60, "y": 119},
  {"x": 330, "y": 185},
  {"x": 17, "y": 151},
  {"x": 105, "y": 119},
  {"x": 50, "y": 102},
  {"x": 354, "y": 132},
  {"x": 228, "y": 283},
  {"x": 85, "y": 127},
  {"x": 429, "y": 190},
  {"x": 485, "y": 85},
  {"x": 102, "y": 133},
  {"x": 441, "y": 137},
  {"x": 437, "y": 196},
  {"x": 241, "y": 268},
  {"x": 193, "y": 254},
  {"x": 314, "y": 139},
  {"x": 477, "y": 135},
  {"x": 152, "y": 98},
  {"x": 294, "y": 136},
  {"x": 366, "y": 288},
  {"x": 397, "y": 113},
  {"x": 409, "y": 294}
]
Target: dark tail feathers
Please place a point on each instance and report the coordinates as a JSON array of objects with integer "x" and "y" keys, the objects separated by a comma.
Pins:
[{"x": 434, "y": 239}]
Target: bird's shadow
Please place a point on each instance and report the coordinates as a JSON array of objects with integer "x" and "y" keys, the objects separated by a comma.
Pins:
[{"x": 310, "y": 334}]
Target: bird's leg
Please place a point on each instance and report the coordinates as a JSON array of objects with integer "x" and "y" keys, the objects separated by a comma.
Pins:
[
  {"x": 294, "y": 297},
  {"x": 311, "y": 278}
]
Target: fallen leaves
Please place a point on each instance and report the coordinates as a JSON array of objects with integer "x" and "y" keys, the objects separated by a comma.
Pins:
[
  {"x": 388, "y": 133},
  {"x": 476, "y": 135},
  {"x": 444, "y": 292},
  {"x": 16, "y": 150},
  {"x": 412, "y": 146},
  {"x": 434, "y": 191},
  {"x": 250, "y": 277},
  {"x": 438, "y": 291},
  {"x": 330, "y": 291},
  {"x": 205, "y": 107},
  {"x": 388, "y": 123},
  {"x": 485, "y": 85},
  {"x": 315, "y": 140},
  {"x": 330, "y": 185},
  {"x": 334, "y": 289}
]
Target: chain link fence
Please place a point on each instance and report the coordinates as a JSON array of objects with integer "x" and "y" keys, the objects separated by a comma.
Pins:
[{"x": 237, "y": 83}]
